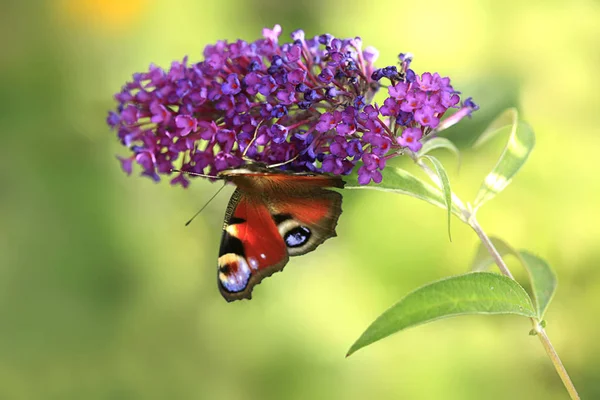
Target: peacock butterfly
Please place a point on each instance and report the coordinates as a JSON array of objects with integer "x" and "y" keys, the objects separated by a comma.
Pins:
[{"x": 272, "y": 214}]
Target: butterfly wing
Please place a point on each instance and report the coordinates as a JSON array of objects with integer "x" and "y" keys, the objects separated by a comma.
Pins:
[
  {"x": 273, "y": 215},
  {"x": 306, "y": 219},
  {"x": 251, "y": 247}
]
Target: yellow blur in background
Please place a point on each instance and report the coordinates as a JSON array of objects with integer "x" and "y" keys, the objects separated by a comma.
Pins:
[{"x": 104, "y": 294}]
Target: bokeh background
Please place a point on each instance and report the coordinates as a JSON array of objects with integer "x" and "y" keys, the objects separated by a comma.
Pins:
[{"x": 104, "y": 294}]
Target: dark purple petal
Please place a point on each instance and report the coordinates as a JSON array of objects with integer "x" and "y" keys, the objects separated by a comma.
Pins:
[
  {"x": 359, "y": 102},
  {"x": 202, "y": 159},
  {"x": 365, "y": 176},
  {"x": 113, "y": 119},
  {"x": 426, "y": 117},
  {"x": 180, "y": 179},
  {"x": 296, "y": 76},
  {"x": 410, "y": 138},
  {"x": 448, "y": 99},
  {"x": 226, "y": 138},
  {"x": 129, "y": 115},
  {"x": 311, "y": 95},
  {"x": 390, "y": 107},
  {"x": 159, "y": 113},
  {"x": 279, "y": 133},
  {"x": 126, "y": 164},
  {"x": 186, "y": 124},
  {"x": 345, "y": 128},
  {"x": 326, "y": 75},
  {"x": 326, "y": 122},
  {"x": 280, "y": 110},
  {"x": 145, "y": 160},
  {"x": 287, "y": 95},
  {"x": 231, "y": 85},
  {"x": 399, "y": 90},
  {"x": 404, "y": 118},
  {"x": 471, "y": 104},
  {"x": 411, "y": 102},
  {"x": 294, "y": 53},
  {"x": 338, "y": 147},
  {"x": 267, "y": 85},
  {"x": 206, "y": 129}
]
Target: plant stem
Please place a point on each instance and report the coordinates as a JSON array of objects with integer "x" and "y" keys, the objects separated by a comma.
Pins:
[
  {"x": 558, "y": 365},
  {"x": 539, "y": 330},
  {"x": 469, "y": 218},
  {"x": 472, "y": 221}
]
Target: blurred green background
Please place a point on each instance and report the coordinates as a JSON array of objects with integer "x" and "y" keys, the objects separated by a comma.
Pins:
[{"x": 104, "y": 294}]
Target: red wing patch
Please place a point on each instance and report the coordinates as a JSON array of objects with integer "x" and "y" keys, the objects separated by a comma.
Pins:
[
  {"x": 308, "y": 210},
  {"x": 251, "y": 249}
]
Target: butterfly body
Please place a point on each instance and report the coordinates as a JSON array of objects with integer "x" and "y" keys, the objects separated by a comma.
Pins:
[{"x": 272, "y": 215}]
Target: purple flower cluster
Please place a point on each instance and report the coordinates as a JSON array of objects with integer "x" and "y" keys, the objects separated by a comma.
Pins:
[{"x": 306, "y": 105}]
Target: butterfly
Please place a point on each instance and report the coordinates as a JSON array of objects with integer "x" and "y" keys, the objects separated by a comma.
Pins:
[{"x": 273, "y": 214}]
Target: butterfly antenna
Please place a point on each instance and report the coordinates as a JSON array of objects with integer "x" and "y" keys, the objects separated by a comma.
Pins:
[
  {"x": 196, "y": 174},
  {"x": 204, "y": 206}
]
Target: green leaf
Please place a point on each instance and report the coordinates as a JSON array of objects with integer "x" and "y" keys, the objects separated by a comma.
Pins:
[
  {"x": 543, "y": 281},
  {"x": 507, "y": 118},
  {"x": 441, "y": 173},
  {"x": 438, "y": 143},
  {"x": 397, "y": 180},
  {"x": 516, "y": 152},
  {"x": 473, "y": 293},
  {"x": 541, "y": 277}
]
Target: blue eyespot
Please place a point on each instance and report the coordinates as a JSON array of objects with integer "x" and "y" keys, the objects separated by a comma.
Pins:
[{"x": 297, "y": 237}]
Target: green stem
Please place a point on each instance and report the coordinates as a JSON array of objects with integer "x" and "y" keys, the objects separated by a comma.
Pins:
[
  {"x": 558, "y": 365},
  {"x": 470, "y": 219},
  {"x": 541, "y": 333}
]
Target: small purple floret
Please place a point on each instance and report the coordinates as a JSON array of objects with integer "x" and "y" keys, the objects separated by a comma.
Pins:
[{"x": 411, "y": 138}]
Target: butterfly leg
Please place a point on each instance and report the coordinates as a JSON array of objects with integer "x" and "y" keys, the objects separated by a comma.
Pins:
[
  {"x": 250, "y": 143},
  {"x": 284, "y": 163}
]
